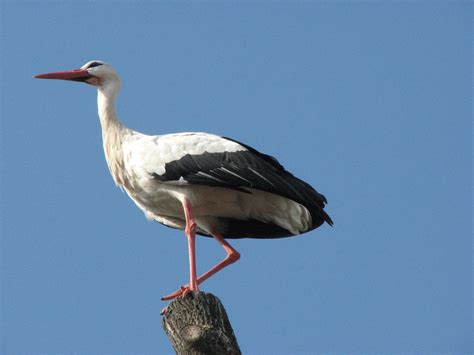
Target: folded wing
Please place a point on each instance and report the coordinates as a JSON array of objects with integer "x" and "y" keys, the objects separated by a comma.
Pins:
[{"x": 231, "y": 164}]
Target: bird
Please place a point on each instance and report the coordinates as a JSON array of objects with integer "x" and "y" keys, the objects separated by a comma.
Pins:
[{"x": 202, "y": 183}]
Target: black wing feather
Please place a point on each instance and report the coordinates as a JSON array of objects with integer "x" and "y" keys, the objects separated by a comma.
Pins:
[{"x": 246, "y": 169}]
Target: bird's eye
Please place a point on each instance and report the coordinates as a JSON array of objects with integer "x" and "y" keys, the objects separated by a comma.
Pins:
[{"x": 94, "y": 64}]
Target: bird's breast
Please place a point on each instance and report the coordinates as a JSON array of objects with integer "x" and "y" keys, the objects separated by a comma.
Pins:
[{"x": 154, "y": 198}]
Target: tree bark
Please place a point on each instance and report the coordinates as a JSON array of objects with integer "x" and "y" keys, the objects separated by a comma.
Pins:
[{"x": 197, "y": 324}]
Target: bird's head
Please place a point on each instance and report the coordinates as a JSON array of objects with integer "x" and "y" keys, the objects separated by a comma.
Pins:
[{"x": 95, "y": 73}]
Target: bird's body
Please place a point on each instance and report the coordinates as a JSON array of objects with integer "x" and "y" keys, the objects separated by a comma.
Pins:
[
  {"x": 200, "y": 182},
  {"x": 235, "y": 200}
]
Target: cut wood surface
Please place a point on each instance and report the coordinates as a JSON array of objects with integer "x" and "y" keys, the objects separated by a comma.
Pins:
[{"x": 198, "y": 324}]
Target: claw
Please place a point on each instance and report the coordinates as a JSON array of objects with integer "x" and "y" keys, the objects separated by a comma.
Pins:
[{"x": 163, "y": 311}]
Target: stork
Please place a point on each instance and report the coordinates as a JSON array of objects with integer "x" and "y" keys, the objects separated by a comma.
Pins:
[{"x": 199, "y": 182}]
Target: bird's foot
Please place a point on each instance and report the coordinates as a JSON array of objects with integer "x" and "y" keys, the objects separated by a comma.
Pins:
[{"x": 183, "y": 291}]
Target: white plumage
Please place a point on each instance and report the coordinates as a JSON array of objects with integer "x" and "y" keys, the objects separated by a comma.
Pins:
[
  {"x": 200, "y": 182},
  {"x": 146, "y": 155},
  {"x": 153, "y": 152}
]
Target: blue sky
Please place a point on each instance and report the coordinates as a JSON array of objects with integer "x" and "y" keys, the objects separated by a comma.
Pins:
[{"x": 370, "y": 102}]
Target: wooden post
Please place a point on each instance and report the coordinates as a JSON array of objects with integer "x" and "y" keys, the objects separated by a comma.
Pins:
[{"x": 197, "y": 324}]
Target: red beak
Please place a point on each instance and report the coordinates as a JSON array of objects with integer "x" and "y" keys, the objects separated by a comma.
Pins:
[{"x": 76, "y": 75}]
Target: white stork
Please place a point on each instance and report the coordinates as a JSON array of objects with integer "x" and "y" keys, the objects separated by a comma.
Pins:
[{"x": 203, "y": 183}]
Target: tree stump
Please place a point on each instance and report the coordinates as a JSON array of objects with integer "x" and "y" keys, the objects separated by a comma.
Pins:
[{"x": 197, "y": 324}]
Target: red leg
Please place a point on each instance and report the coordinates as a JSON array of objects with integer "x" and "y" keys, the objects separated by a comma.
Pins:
[
  {"x": 190, "y": 232},
  {"x": 232, "y": 256}
]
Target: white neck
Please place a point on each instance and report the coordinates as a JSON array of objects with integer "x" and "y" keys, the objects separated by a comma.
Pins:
[
  {"x": 113, "y": 131},
  {"x": 106, "y": 96}
]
